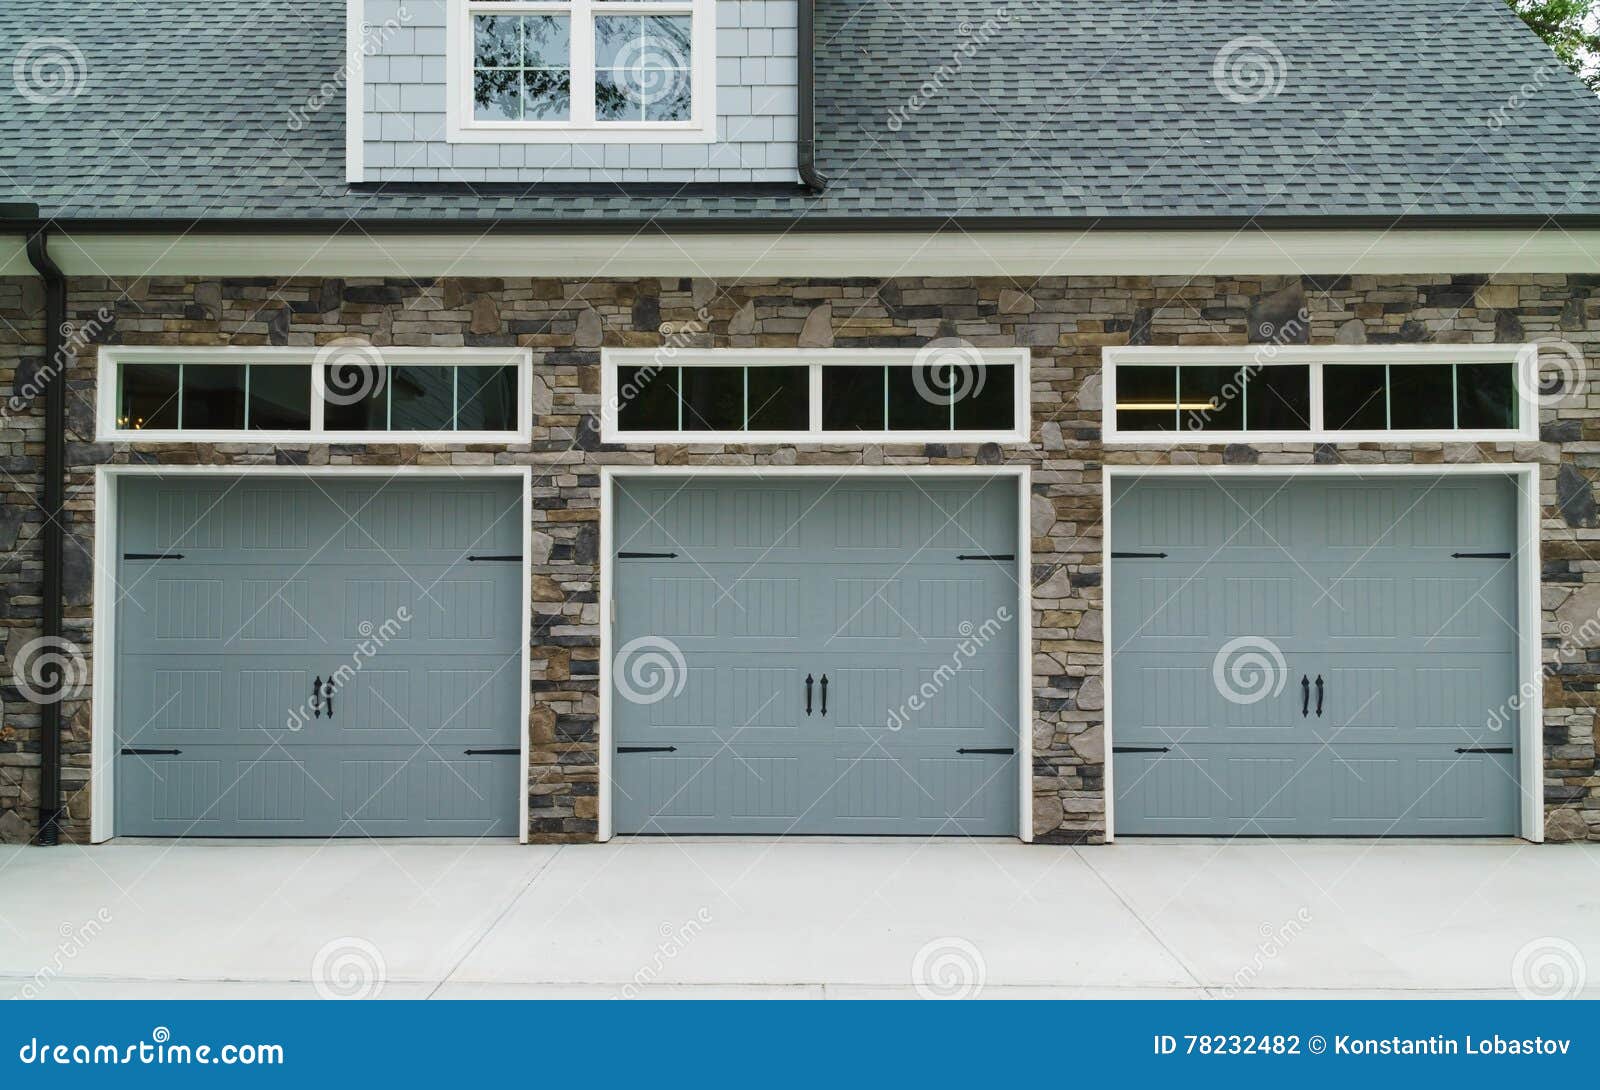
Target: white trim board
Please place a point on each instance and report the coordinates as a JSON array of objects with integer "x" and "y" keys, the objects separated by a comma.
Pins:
[
  {"x": 1023, "y": 475},
  {"x": 484, "y": 251},
  {"x": 1524, "y": 359},
  {"x": 103, "y": 609},
  {"x": 1530, "y": 734},
  {"x": 111, "y": 357},
  {"x": 815, "y": 359}
]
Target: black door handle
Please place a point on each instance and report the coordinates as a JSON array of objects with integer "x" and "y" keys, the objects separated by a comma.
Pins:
[
  {"x": 316, "y": 698},
  {"x": 824, "y": 694},
  {"x": 327, "y": 693},
  {"x": 1319, "y": 696},
  {"x": 1305, "y": 696},
  {"x": 808, "y": 694}
]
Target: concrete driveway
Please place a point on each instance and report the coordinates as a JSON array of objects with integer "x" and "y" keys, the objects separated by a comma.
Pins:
[{"x": 992, "y": 919}]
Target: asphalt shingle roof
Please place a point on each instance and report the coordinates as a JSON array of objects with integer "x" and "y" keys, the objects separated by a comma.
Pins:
[{"x": 1059, "y": 108}]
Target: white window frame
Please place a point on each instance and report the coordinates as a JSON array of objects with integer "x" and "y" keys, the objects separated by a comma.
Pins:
[
  {"x": 815, "y": 359},
  {"x": 581, "y": 128},
  {"x": 113, "y": 357},
  {"x": 1525, "y": 357}
]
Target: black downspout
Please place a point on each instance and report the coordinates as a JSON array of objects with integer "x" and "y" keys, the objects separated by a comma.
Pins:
[
  {"x": 806, "y": 32},
  {"x": 54, "y": 487}
]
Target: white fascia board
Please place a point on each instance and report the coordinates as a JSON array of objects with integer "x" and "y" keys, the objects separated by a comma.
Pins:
[{"x": 483, "y": 251}]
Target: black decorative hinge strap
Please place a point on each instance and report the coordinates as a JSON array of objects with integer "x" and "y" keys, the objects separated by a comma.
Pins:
[
  {"x": 987, "y": 556},
  {"x": 1008, "y": 751},
  {"x": 647, "y": 749},
  {"x": 152, "y": 556},
  {"x": 1483, "y": 749},
  {"x": 1480, "y": 556},
  {"x": 647, "y": 556},
  {"x": 1138, "y": 556},
  {"x": 506, "y": 557},
  {"x": 1141, "y": 749},
  {"x": 131, "y": 751},
  {"x": 492, "y": 752}
]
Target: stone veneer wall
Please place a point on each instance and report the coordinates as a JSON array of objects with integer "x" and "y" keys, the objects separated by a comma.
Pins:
[{"x": 1066, "y": 320}]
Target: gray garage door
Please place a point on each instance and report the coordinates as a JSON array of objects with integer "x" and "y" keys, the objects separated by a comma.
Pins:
[
  {"x": 797, "y": 656},
  {"x": 1303, "y": 657},
  {"x": 239, "y": 595}
]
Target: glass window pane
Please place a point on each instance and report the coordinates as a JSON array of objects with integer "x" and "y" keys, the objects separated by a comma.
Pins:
[
  {"x": 280, "y": 398},
  {"x": 149, "y": 396},
  {"x": 1486, "y": 395},
  {"x": 546, "y": 95},
  {"x": 852, "y": 398},
  {"x": 497, "y": 96},
  {"x": 1353, "y": 397},
  {"x": 992, "y": 406},
  {"x": 1278, "y": 398},
  {"x": 357, "y": 397},
  {"x": 1146, "y": 398},
  {"x": 647, "y": 398},
  {"x": 213, "y": 395},
  {"x": 545, "y": 41},
  {"x": 642, "y": 67},
  {"x": 496, "y": 41},
  {"x": 780, "y": 398},
  {"x": 421, "y": 398},
  {"x": 1211, "y": 398},
  {"x": 1421, "y": 396},
  {"x": 919, "y": 398},
  {"x": 487, "y": 399},
  {"x": 713, "y": 398}
]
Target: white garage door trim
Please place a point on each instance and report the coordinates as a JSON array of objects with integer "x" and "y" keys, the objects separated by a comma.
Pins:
[
  {"x": 1526, "y": 479},
  {"x": 104, "y": 606},
  {"x": 1023, "y": 477}
]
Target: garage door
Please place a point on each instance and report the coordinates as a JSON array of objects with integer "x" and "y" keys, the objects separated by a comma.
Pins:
[
  {"x": 797, "y": 656},
  {"x": 1300, "y": 657},
  {"x": 318, "y": 657}
]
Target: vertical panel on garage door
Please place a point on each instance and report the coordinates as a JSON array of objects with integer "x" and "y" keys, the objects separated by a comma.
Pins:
[
  {"x": 237, "y": 595},
  {"x": 1315, "y": 657},
  {"x": 815, "y": 656}
]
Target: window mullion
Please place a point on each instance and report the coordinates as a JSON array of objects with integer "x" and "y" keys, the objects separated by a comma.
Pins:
[
  {"x": 581, "y": 62},
  {"x": 814, "y": 416},
  {"x": 318, "y": 391}
]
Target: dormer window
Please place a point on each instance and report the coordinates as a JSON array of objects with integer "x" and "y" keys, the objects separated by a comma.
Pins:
[{"x": 582, "y": 71}]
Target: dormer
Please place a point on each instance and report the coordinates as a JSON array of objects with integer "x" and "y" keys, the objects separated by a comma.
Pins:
[{"x": 573, "y": 91}]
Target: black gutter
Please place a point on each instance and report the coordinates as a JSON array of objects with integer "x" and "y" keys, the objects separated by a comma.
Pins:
[
  {"x": 53, "y": 487},
  {"x": 735, "y": 224},
  {"x": 806, "y": 62}
]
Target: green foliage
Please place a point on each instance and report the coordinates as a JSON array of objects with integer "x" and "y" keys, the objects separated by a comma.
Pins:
[{"x": 1572, "y": 29}]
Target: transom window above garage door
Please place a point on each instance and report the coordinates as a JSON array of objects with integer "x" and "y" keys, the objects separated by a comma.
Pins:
[
  {"x": 947, "y": 390},
  {"x": 1348, "y": 393},
  {"x": 347, "y": 390}
]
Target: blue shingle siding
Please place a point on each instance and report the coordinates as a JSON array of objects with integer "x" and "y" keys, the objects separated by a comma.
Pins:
[
  {"x": 1107, "y": 109},
  {"x": 405, "y": 89}
]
